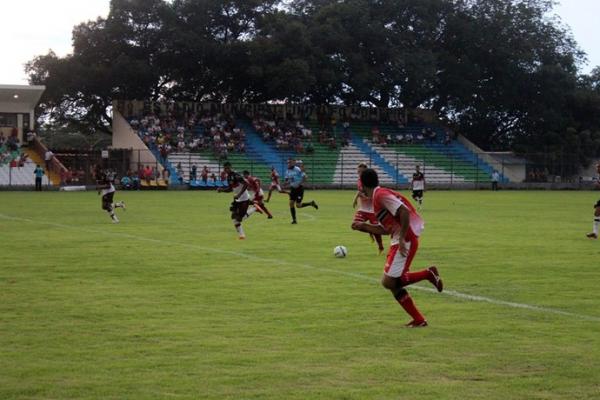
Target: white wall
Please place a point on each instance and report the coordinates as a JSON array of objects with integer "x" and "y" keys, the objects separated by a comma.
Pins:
[{"x": 124, "y": 137}]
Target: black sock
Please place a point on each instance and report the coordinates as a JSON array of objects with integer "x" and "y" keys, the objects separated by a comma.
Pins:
[
  {"x": 293, "y": 212},
  {"x": 306, "y": 204}
]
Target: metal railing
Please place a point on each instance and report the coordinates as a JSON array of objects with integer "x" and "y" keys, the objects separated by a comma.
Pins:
[{"x": 335, "y": 169}]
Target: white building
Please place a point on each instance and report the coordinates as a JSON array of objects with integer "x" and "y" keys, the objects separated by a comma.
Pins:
[{"x": 17, "y": 105}]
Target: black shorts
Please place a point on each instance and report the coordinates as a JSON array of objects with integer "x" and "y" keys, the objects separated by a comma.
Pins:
[
  {"x": 297, "y": 194},
  {"x": 239, "y": 209},
  {"x": 597, "y": 204},
  {"x": 417, "y": 194},
  {"x": 107, "y": 200}
]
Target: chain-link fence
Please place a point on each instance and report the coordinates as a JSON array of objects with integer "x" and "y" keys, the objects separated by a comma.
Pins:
[{"x": 335, "y": 168}]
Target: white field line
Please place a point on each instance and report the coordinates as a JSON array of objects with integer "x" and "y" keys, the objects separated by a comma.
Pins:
[{"x": 451, "y": 293}]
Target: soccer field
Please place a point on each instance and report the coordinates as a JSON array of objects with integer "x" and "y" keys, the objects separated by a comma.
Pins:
[{"x": 170, "y": 304}]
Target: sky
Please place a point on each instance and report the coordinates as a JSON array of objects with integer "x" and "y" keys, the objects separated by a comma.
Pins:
[{"x": 33, "y": 27}]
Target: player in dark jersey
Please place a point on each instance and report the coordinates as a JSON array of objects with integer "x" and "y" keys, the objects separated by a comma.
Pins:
[
  {"x": 418, "y": 186},
  {"x": 105, "y": 187},
  {"x": 241, "y": 199}
]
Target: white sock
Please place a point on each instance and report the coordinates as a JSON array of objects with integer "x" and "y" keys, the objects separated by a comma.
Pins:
[
  {"x": 251, "y": 210},
  {"x": 239, "y": 230},
  {"x": 596, "y": 223}
]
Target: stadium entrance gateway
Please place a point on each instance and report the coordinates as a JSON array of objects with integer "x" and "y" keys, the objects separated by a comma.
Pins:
[{"x": 17, "y": 104}]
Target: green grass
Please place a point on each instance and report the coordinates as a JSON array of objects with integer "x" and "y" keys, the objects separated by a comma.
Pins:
[{"x": 168, "y": 304}]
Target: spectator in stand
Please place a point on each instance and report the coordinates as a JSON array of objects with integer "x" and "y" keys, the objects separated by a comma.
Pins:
[
  {"x": 30, "y": 137},
  {"x": 495, "y": 180},
  {"x": 163, "y": 153},
  {"x": 447, "y": 139},
  {"x": 126, "y": 183},
  {"x": 204, "y": 174},
  {"x": 193, "y": 173},
  {"x": 135, "y": 181},
  {"x": 431, "y": 135},
  {"x": 408, "y": 138},
  {"x": 421, "y": 136},
  {"x": 12, "y": 143},
  {"x": 180, "y": 172},
  {"x": 148, "y": 173},
  {"x": 38, "y": 173},
  {"x": 223, "y": 176},
  {"x": 375, "y": 135},
  {"x": 23, "y": 158},
  {"x": 48, "y": 156}
]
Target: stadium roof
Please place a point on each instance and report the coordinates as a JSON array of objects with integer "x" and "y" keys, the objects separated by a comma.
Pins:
[{"x": 24, "y": 95}]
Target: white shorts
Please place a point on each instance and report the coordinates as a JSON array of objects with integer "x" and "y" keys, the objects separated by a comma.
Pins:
[
  {"x": 396, "y": 264},
  {"x": 275, "y": 186}
]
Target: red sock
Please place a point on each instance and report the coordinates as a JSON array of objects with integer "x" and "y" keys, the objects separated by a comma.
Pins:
[
  {"x": 409, "y": 278},
  {"x": 409, "y": 306}
]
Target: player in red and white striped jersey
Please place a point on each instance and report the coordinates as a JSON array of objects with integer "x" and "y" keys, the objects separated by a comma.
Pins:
[
  {"x": 256, "y": 193},
  {"x": 274, "y": 184},
  {"x": 365, "y": 208},
  {"x": 398, "y": 218}
]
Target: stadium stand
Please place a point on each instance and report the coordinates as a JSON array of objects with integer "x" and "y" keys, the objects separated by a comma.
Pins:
[
  {"x": 16, "y": 169},
  {"x": 330, "y": 151}
]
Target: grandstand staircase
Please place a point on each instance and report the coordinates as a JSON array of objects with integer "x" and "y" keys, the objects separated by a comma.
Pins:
[
  {"x": 35, "y": 158},
  {"x": 261, "y": 152},
  {"x": 380, "y": 162}
]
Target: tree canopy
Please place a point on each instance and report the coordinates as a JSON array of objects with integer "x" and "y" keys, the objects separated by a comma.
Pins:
[{"x": 502, "y": 72}]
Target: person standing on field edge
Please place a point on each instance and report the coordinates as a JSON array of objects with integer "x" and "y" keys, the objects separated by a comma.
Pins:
[
  {"x": 39, "y": 173},
  {"x": 495, "y": 179}
]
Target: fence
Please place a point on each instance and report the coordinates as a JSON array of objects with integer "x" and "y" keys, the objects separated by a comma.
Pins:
[{"x": 333, "y": 169}]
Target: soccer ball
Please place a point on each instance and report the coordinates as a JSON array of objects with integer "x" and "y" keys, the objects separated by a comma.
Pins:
[{"x": 340, "y": 251}]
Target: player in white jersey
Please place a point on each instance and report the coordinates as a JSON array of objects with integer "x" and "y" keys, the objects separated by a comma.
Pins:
[{"x": 241, "y": 199}]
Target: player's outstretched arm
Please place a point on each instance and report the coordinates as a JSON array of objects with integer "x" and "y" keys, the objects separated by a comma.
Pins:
[{"x": 355, "y": 201}]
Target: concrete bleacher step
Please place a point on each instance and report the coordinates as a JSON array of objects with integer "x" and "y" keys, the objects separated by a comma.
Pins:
[
  {"x": 348, "y": 159},
  {"x": 406, "y": 165}
]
